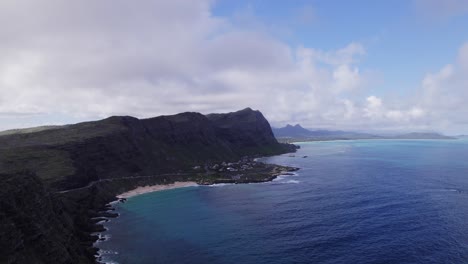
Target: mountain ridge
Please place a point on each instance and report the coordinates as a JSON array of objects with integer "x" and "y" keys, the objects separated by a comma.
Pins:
[
  {"x": 90, "y": 150},
  {"x": 69, "y": 174},
  {"x": 298, "y": 133}
]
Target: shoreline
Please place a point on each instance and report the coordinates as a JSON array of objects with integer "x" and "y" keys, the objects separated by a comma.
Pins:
[
  {"x": 155, "y": 188},
  {"x": 121, "y": 198},
  {"x": 358, "y": 139}
]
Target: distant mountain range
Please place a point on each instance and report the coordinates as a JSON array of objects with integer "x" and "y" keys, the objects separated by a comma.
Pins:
[{"x": 298, "y": 133}]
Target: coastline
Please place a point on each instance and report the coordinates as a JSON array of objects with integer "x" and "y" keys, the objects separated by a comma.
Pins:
[
  {"x": 261, "y": 177},
  {"x": 358, "y": 139},
  {"x": 79, "y": 169},
  {"x": 285, "y": 171},
  {"x": 155, "y": 188}
]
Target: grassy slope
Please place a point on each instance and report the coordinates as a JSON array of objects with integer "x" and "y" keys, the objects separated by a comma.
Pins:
[
  {"x": 125, "y": 146},
  {"x": 37, "y": 150}
]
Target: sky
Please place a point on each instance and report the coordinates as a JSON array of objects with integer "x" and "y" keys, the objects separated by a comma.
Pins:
[{"x": 360, "y": 65}]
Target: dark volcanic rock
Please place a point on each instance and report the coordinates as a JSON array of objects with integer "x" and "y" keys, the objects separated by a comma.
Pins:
[
  {"x": 74, "y": 155},
  {"x": 80, "y": 168},
  {"x": 244, "y": 129},
  {"x": 34, "y": 227}
]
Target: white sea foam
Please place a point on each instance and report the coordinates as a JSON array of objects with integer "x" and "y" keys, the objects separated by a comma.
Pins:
[
  {"x": 103, "y": 221},
  {"x": 107, "y": 252},
  {"x": 105, "y": 261},
  {"x": 102, "y": 238},
  {"x": 292, "y": 181},
  {"x": 453, "y": 190},
  {"x": 115, "y": 202},
  {"x": 102, "y": 252},
  {"x": 110, "y": 262},
  {"x": 220, "y": 184},
  {"x": 283, "y": 177},
  {"x": 279, "y": 178}
]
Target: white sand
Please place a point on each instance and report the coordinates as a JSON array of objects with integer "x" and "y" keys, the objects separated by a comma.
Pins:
[{"x": 155, "y": 188}]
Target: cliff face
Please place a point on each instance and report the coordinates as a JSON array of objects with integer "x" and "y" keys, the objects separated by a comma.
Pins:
[
  {"x": 245, "y": 130},
  {"x": 73, "y": 156},
  {"x": 42, "y": 222},
  {"x": 34, "y": 228}
]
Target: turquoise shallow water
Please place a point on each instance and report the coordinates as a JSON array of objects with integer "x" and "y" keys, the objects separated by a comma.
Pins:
[{"x": 377, "y": 201}]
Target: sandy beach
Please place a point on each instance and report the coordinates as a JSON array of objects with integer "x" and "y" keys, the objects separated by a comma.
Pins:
[{"x": 155, "y": 188}]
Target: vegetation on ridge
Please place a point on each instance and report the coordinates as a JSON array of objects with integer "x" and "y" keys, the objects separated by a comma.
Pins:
[{"x": 67, "y": 175}]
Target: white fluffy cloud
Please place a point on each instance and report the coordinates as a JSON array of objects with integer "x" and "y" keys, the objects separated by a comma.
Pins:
[
  {"x": 445, "y": 93},
  {"x": 63, "y": 61},
  {"x": 92, "y": 59},
  {"x": 439, "y": 104}
]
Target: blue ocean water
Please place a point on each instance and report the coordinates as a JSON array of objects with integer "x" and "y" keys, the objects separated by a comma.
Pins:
[{"x": 376, "y": 201}]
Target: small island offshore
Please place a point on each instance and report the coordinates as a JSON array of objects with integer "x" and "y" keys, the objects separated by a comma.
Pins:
[{"x": 57, "y": 182}]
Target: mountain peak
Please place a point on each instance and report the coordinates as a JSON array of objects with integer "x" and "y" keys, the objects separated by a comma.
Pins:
[
  {"x": 295, "y": 126},
  {"x": 290, "y": 130}
]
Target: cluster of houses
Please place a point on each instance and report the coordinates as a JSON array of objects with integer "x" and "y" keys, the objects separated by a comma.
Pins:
[{"x": 242, "y": 165}]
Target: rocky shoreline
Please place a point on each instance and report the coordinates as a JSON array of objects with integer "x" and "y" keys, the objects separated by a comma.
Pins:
[
  {"x": 65, "y": 178},
  {"x": 257, "y": 172},
  {"x": 246, "y": 170}
]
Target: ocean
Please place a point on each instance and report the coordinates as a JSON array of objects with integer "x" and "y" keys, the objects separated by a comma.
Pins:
[{"x": 363, "y": 201}]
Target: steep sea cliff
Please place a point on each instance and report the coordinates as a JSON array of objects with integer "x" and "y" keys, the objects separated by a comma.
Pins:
[{"x": 59, "y": 180}]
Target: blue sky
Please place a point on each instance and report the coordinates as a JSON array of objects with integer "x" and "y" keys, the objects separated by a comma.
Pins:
[
  {"x": 351, "y": 65},
  {"x": 403, "y": 43}
]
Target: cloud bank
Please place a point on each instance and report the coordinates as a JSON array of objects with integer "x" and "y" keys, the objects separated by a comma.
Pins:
[{"x": 77, "y": 60}]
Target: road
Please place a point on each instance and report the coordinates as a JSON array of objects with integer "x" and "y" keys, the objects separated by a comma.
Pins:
[{"x": 91, "y": 184}]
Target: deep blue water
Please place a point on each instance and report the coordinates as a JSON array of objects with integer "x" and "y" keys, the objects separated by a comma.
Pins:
[{"x": 377, "y": 201}]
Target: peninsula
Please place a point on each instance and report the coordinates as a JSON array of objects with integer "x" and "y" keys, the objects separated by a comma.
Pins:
[{"x": 57, "y": 181}]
